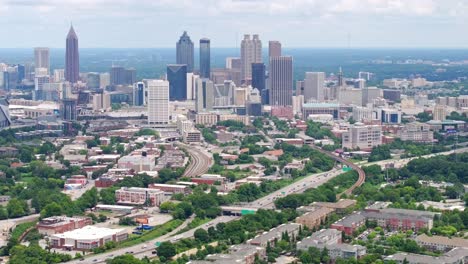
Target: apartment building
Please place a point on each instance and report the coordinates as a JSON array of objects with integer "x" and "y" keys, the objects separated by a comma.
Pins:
[
  {"x": 140, "y": 196},
  {"x": 361, "y": 136}
]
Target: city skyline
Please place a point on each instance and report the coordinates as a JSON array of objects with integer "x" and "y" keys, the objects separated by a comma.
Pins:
[{"x": 371, "y": 23}]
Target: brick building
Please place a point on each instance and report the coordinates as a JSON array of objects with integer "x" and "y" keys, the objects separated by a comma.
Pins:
[{"x": 60, "y": 224}]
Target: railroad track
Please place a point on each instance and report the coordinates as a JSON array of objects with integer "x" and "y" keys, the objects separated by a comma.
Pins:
[{"x": 200, "y": 163}]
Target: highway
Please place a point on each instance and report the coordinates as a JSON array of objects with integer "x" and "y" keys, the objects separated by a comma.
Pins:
[
  {"x": 145, "y": 249},
  {"x": 312, "y": 181},
  {"x": 200, "y": 161}
]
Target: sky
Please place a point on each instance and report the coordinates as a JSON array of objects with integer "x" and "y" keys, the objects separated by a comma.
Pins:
[{"x": 296, "y": 23}]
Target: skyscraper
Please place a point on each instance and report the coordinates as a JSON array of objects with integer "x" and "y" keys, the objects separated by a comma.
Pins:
[
  {"x": 42, "y": 58},
  {"x": 281, "y": 80},
  {"x": 251, "y": 52},
  {"x": 205, "y": 58},
  {"x": 158, "y": 102},
  {"x": 68, "y": 110},
  {"x": 117, "y": 75},
  {"x": 274, "y": 48},
  {"x": 139, "y": 94},
  {"x": 72, "y": 57},
  {"x": 177, "y": 77},
  {"x": 258, "y": 76},
  {"x": 340, "y": 78},
  {"x": 204, "y": 93},
  {"x": 184, "y": 51},
  {"x": 314, "y": 86}
]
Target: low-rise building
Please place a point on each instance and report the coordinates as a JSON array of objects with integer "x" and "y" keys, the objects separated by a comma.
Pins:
[
  {"x": 274, "y": 234},
  {"x": 416, "y": 132},
  {"x": 60, "y": 224},
  {"x": 209, "y": 179},
  {"x": 314, "y": 219},
  {"x": 454, "y": 256},
  {"x": 140, "y": 196},
  {"x": 350, "y": 223},
  {"x": 87, "y": 238},
  {"x": 138, "y": 163},
  {"x": 331, "y": 239},
  {"x": 242, "y": 254},
  {"x": 402, "y": 219},
  {"x": 171, "y": 188},
  {"x": 441, "y": 243},
  {"x": 192, "y": 136}
]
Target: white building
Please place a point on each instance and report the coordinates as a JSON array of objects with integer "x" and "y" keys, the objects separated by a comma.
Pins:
[
  {"x": 362, "y": 136},
  {"x": 104, "y": 80},
  {"x": 314, "y": 86},
  {"x": 416, "y": 132},
  {"x": 140, "y": 196},
  {"x": 362, "y": 114},
  {"x": 42, "y": 58},
  {"x": 158, "y": 102},
  {"x": 59, "y": 75},
  {"x": 87, "y": 238},
  {"x": 204, "y": 98}
]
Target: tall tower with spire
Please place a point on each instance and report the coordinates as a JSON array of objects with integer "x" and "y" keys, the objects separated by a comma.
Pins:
[
  {"x": 184, "y": 49},
  {"x": 72, "y": 57}
]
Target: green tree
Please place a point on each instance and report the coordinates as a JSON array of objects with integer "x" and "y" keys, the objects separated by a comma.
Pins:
[
  {"x": 201, "y": 235},
  {"x": 51, "y": 209},
  {"x": 17, "y": 208},
  {"x": 166, "y": 250}
]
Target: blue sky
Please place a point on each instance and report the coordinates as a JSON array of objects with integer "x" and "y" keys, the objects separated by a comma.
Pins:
[{"x": 296, "y": 23}]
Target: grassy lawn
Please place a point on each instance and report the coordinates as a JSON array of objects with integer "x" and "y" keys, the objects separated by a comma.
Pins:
[
  {"x": 157, "y": 231},
  {"x": 20, "y": 229},
  {"x": 195, "y": 223}
]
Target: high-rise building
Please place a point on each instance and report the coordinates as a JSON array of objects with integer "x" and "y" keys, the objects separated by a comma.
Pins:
[
  {"x": 92, "y": 80},
  {"x": 158, "y": 102},
  {"x": 314, "y": 86},
  {"x": 204, "y": 93},
  {"x": 59, "y": 75},
  {"x": 117, "y": 75},
  {"x": 233, "y": 63},
  {"x": 439, "y": 113},
  {"x": 72, "y": 57},
  {"x": 364, "y": 137},
  {"x": 340, "y": 78},
  {"x": 274, "y": 48},
  {"x": 185, "y": 51},
  {"x": 258, "y": 76},
  {"x": 21, "y": 72},
  {"x": 42, "y": 58},
  {"x": 130, "y": 76},
  {"x": 205, "y": 58},
  {"x": 251, "y": 52},
  {"x": 104, "y": 80},
  {"x": 139, "y": 94},
  {"x": 281, "y": 80},
  {"x": 177, "y": 77},
  {"x": 68, "y": 110}
]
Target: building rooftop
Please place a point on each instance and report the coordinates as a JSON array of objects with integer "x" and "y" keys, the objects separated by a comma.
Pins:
[
  {"x": 351, "y": 219},
  {"x": 89, "y": 233},
  {"x": 452, "y": 242},
  {"x": 453, "y": 256},
  {"x": 274, "y": 233},
  {"x": 59, "y": 220},
  {"x": 341, "y": 204},
  {"x": 317, "y": 105}
]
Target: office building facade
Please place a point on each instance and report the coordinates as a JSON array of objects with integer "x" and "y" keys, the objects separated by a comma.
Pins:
[
  {"x": 158, "y": 102},
  {"x": 274, "y": 48},
  {"x": 42, "y": 58},
  {"x": 205, "y": 67},
  {"x": 177, "y": 78},
  {"x": 72, "y": 57},
  {"x": 258, "y": 76},
  {"x": 314, "y": 86},
  {"x": 204, "y": 93},
  {"x": 184, "y": 51},
  {"x": 281, "y": 80},
  {"x": 251, "y": 52}
]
